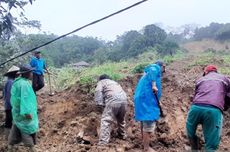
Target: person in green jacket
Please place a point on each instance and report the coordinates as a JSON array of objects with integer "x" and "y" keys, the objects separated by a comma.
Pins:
[{"x": 24, "y": 111}]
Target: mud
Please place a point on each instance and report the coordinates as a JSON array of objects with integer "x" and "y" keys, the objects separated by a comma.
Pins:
[{"x": 69, "y": 120}]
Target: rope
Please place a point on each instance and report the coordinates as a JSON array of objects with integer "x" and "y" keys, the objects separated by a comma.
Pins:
[{"x": 78, "y": 29}]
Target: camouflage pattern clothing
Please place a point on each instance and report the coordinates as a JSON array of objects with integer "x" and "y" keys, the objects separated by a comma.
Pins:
[{"x": 111, "y": 95}]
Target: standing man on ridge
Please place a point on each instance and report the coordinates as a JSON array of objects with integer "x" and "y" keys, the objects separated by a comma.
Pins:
[
  {"x": 146, "y": 101},
  {"x": 38, "y": 74}
]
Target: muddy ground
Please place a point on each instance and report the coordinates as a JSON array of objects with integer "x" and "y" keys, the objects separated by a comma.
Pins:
[{"x": 69, "y": 120}]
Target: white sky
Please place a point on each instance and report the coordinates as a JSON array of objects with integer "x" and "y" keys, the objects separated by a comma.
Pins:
[{"x": 62, "y": 16}]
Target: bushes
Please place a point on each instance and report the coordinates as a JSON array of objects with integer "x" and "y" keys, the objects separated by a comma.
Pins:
[{"x": 139, "y": 68}]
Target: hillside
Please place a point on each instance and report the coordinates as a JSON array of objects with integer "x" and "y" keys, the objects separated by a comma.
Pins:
[
  {"x": 69, "y": 113},
  {"x": 201, "y": 46}
]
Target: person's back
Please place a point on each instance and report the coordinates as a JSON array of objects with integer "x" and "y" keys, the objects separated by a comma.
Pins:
[
  {"x": 112, "y": 91},
  {"x": 211, "y": 90}
]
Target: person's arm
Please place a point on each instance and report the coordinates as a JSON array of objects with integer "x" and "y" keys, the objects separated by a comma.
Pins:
[
  {"x": 98, "y": 98},
  {"x": 45, "y": 67},
  {"x": 227, "y": 97},
  {"x": 154, "y": 87}
]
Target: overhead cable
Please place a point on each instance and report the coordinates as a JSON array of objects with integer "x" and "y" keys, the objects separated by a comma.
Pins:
[{"x": 78, "y": 29}]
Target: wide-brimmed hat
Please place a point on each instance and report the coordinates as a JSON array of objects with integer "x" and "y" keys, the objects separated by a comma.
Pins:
[
  {"x": 25, "y": 69},
  {"x": 13, "y": 69}
]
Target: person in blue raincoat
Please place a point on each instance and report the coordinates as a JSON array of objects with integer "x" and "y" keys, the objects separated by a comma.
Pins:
[{"x": 146, "y": 107}]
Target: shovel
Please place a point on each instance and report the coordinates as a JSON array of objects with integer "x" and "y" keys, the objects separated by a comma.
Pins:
[{"x": 50, "y": 93}]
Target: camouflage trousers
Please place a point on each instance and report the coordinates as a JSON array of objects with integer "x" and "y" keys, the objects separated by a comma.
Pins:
[{"x": 112, "y": 113}]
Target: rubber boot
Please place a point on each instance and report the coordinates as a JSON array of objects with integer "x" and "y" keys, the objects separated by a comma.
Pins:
[
  {"x": 10, "y": 148},
  {"x": 194, "y": 143},
  {"x": 6, "y": 133},
  {"x": 33, "y": 149}
]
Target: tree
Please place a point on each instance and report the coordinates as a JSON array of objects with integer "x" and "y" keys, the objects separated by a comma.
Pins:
[
  {"x": 224, "y": 32},
  {"x": 208, "y": 32},
  {"x": 124, "y": 46},
  {"x": 154, "y": 35},
  {"x": 9, "y": 22},
  {"x": 167, "y": 48}
]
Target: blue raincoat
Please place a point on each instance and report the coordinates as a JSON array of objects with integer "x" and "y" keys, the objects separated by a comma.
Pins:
[{"x": 145, "y": 103}]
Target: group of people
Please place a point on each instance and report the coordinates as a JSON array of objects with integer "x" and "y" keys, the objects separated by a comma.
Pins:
[
  {"x": 209, "y": 101},
  {"x": 21, "y": 118},
  {"x": 211, "y": 98}
]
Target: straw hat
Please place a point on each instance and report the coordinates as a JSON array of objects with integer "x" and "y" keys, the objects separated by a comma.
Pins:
[{"x": 13, "y": 69}]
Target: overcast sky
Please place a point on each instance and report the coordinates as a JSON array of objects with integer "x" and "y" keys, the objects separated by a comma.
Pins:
[{"x": 62, "y": 16}]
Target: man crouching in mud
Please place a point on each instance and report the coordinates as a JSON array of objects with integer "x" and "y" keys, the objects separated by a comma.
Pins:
[{"x": 110, "y": 95}]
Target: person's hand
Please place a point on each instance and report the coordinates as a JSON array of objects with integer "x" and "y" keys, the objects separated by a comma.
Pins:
[
  {"x": 47, "y": 72},
  {"x": 100, "y": 108},
  {"x": 28, "y": 116},
  {"x": 191, "y": 98},
  {"x": 155, "y": 90}
]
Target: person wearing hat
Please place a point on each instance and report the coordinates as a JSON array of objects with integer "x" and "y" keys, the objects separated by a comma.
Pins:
[
  {"x": 38, "y": 73},
  {"x": 207, "y": 108},
  {"x": 24, "y": 111},
  {"x": 146, "y": 101},
  {"x": 11, "y": 75}
]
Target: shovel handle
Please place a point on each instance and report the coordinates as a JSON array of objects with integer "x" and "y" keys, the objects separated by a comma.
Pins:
[{"x": 49, "y": 83}]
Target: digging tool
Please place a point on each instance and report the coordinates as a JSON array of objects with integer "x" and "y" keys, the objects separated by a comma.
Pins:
[
  {"x": 50, "y": 93},
  {"x": 142, "y": 130},
  {"x": 158, "y": 102}
]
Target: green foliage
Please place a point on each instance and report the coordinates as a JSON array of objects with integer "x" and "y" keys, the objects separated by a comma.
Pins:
[
  {"x": 67, "y": 76},
  {"x": 154, "y": 35},
  {"x": 167, "y": 48},
  {"x": 8, "y": 22},
  {"x": 139, "y": 68},
  {"x": 73, "y": 49},
  {"x": 115, "y": 70},
  {"x": 169, "y": 59},
  {"x": 213, "y": 31},
  {"x": 224, "y": 70},
  {"x": 63, "y": 77}
]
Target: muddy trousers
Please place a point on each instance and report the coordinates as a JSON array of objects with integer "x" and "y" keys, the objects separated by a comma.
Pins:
[
  {"x": 16, "y": 136},
  {"x": 112, "y": 113},
  {"x": 211, "y": 119}
]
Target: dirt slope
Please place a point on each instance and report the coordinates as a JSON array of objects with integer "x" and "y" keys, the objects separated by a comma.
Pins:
[{"x": 68, "y": 115}]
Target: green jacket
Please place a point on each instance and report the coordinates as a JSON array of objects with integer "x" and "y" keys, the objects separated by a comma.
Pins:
[{"x": 23, "y": 101}]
